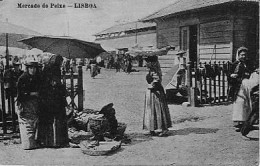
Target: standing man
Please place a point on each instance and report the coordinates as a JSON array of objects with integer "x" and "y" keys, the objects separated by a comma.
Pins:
[{"x": 11, "y": 76}]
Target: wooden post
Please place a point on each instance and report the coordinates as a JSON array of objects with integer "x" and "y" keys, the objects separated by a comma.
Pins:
[
  {"x": 80, "y": 88},
  {"x": 193, "y": 90},
  {"x": 193, "y": 94},
  {"x": 223, "y": 81},
  {"x": 219, "y": 90},
  {"x": 3, "y": 104},
  {"x": 205, "y": 86},
  {"x": 210, "y": 88},
  {"x": 6, "y": 51},
  {"x": 13, "y": 113},
  {"x": 214, "y": 83},
  {"x": 228, "y": 87},
  {"x": 200, "y": 79},
  {"x": 189, "y": 81}
]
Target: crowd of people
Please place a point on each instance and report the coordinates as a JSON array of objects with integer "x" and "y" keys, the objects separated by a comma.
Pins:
[
  {"x": 121, "y": 61},
  {"x": 41, "y": 97}
]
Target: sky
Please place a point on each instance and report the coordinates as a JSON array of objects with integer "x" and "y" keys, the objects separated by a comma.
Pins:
[{"x": 80, "y": 23}]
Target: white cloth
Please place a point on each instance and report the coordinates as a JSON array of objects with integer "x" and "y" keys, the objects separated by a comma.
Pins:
[{"x": 242, "y": 107}]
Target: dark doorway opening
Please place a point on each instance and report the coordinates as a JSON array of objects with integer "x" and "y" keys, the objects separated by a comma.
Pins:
[{"x": 193, "y": 43}]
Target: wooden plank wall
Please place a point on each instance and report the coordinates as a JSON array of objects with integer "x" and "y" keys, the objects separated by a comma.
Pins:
[
  {"x": 245, "y": 34},
  {"x": 167, "y": 62},
  {"x": 224, "y": 29},
  {"x": 215, "y": 38},
  {"x": 168, "y": 32},
  {"x": 240, "y": 34}
]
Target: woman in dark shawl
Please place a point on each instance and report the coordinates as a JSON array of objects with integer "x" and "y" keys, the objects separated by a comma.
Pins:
[
  {"x": 53, "y": 124},
  {"x": 156, "y": 111}
]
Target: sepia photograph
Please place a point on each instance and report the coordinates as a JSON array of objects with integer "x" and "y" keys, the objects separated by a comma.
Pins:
[{"x": 129, "y": 82}]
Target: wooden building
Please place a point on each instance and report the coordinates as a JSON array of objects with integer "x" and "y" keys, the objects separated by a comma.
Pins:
[
  {"x": 209, "y": 29},
  {"x": 124, "y": 36}
]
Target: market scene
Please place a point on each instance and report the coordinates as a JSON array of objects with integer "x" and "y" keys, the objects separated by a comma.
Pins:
[{"x": 173, "y": 83}]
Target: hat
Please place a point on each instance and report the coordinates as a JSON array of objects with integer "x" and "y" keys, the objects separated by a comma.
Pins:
[
  {"x": 153, "y": 58},
  {"x": 32, "y": 63},
  {"x": 181, "y": 52}
]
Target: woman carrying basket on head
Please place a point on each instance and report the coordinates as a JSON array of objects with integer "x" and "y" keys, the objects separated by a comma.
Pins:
[{"x": 156, "y": 111}]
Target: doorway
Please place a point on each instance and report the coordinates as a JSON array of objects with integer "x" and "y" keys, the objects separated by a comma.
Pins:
[{"x": 189, "y": 41}]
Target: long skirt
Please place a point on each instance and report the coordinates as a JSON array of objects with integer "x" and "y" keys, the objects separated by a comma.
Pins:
[
  {"x": 60, "y": 129},
  {"x": 53, "y": 131},
  {"x": 28, "y": 121},
  {"x": 45, "y": 129},
  {"x": 242, "y": 106},
  {"x": 156, "y": 111}
]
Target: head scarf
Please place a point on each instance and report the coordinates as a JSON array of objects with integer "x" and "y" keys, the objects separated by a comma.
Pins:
[
  {"x": 240, "y": 49},
  {"x": 52, "y": 70},
  {"x": 55, "y": 60}
]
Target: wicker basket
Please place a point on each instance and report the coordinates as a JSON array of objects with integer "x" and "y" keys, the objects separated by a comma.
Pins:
[
  {"x": 98, "y": 125},
  {"x": 104, "y": 148}
]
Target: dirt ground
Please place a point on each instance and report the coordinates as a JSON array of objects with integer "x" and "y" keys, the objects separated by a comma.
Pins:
[{"x": 199, "y": 136}]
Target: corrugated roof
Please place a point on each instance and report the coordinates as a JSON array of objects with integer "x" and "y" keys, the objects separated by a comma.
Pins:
[
  {"x": 126, "y": 27},
  {"x": 185, "y": 5}
]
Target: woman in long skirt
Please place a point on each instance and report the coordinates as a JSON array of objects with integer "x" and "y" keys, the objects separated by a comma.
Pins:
[
  {"x": 53, "y": 131},
  {"x": 28, "y": 106},
  {"x": 156, "y": 111},
  {"x": 240, "y": 88}
]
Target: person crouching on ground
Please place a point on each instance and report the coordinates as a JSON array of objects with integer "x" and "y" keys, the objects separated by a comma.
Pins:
[
  {"x": 156, "y": 111},
  {"x": 27, "y": 102}
]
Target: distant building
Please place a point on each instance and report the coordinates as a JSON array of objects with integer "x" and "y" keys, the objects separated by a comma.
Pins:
[{"x": 124, "y": 36}]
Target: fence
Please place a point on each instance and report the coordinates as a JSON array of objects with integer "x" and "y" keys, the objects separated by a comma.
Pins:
[
  {"x": 208, "y": 83},
  {"x": 74, "y": 86}
]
